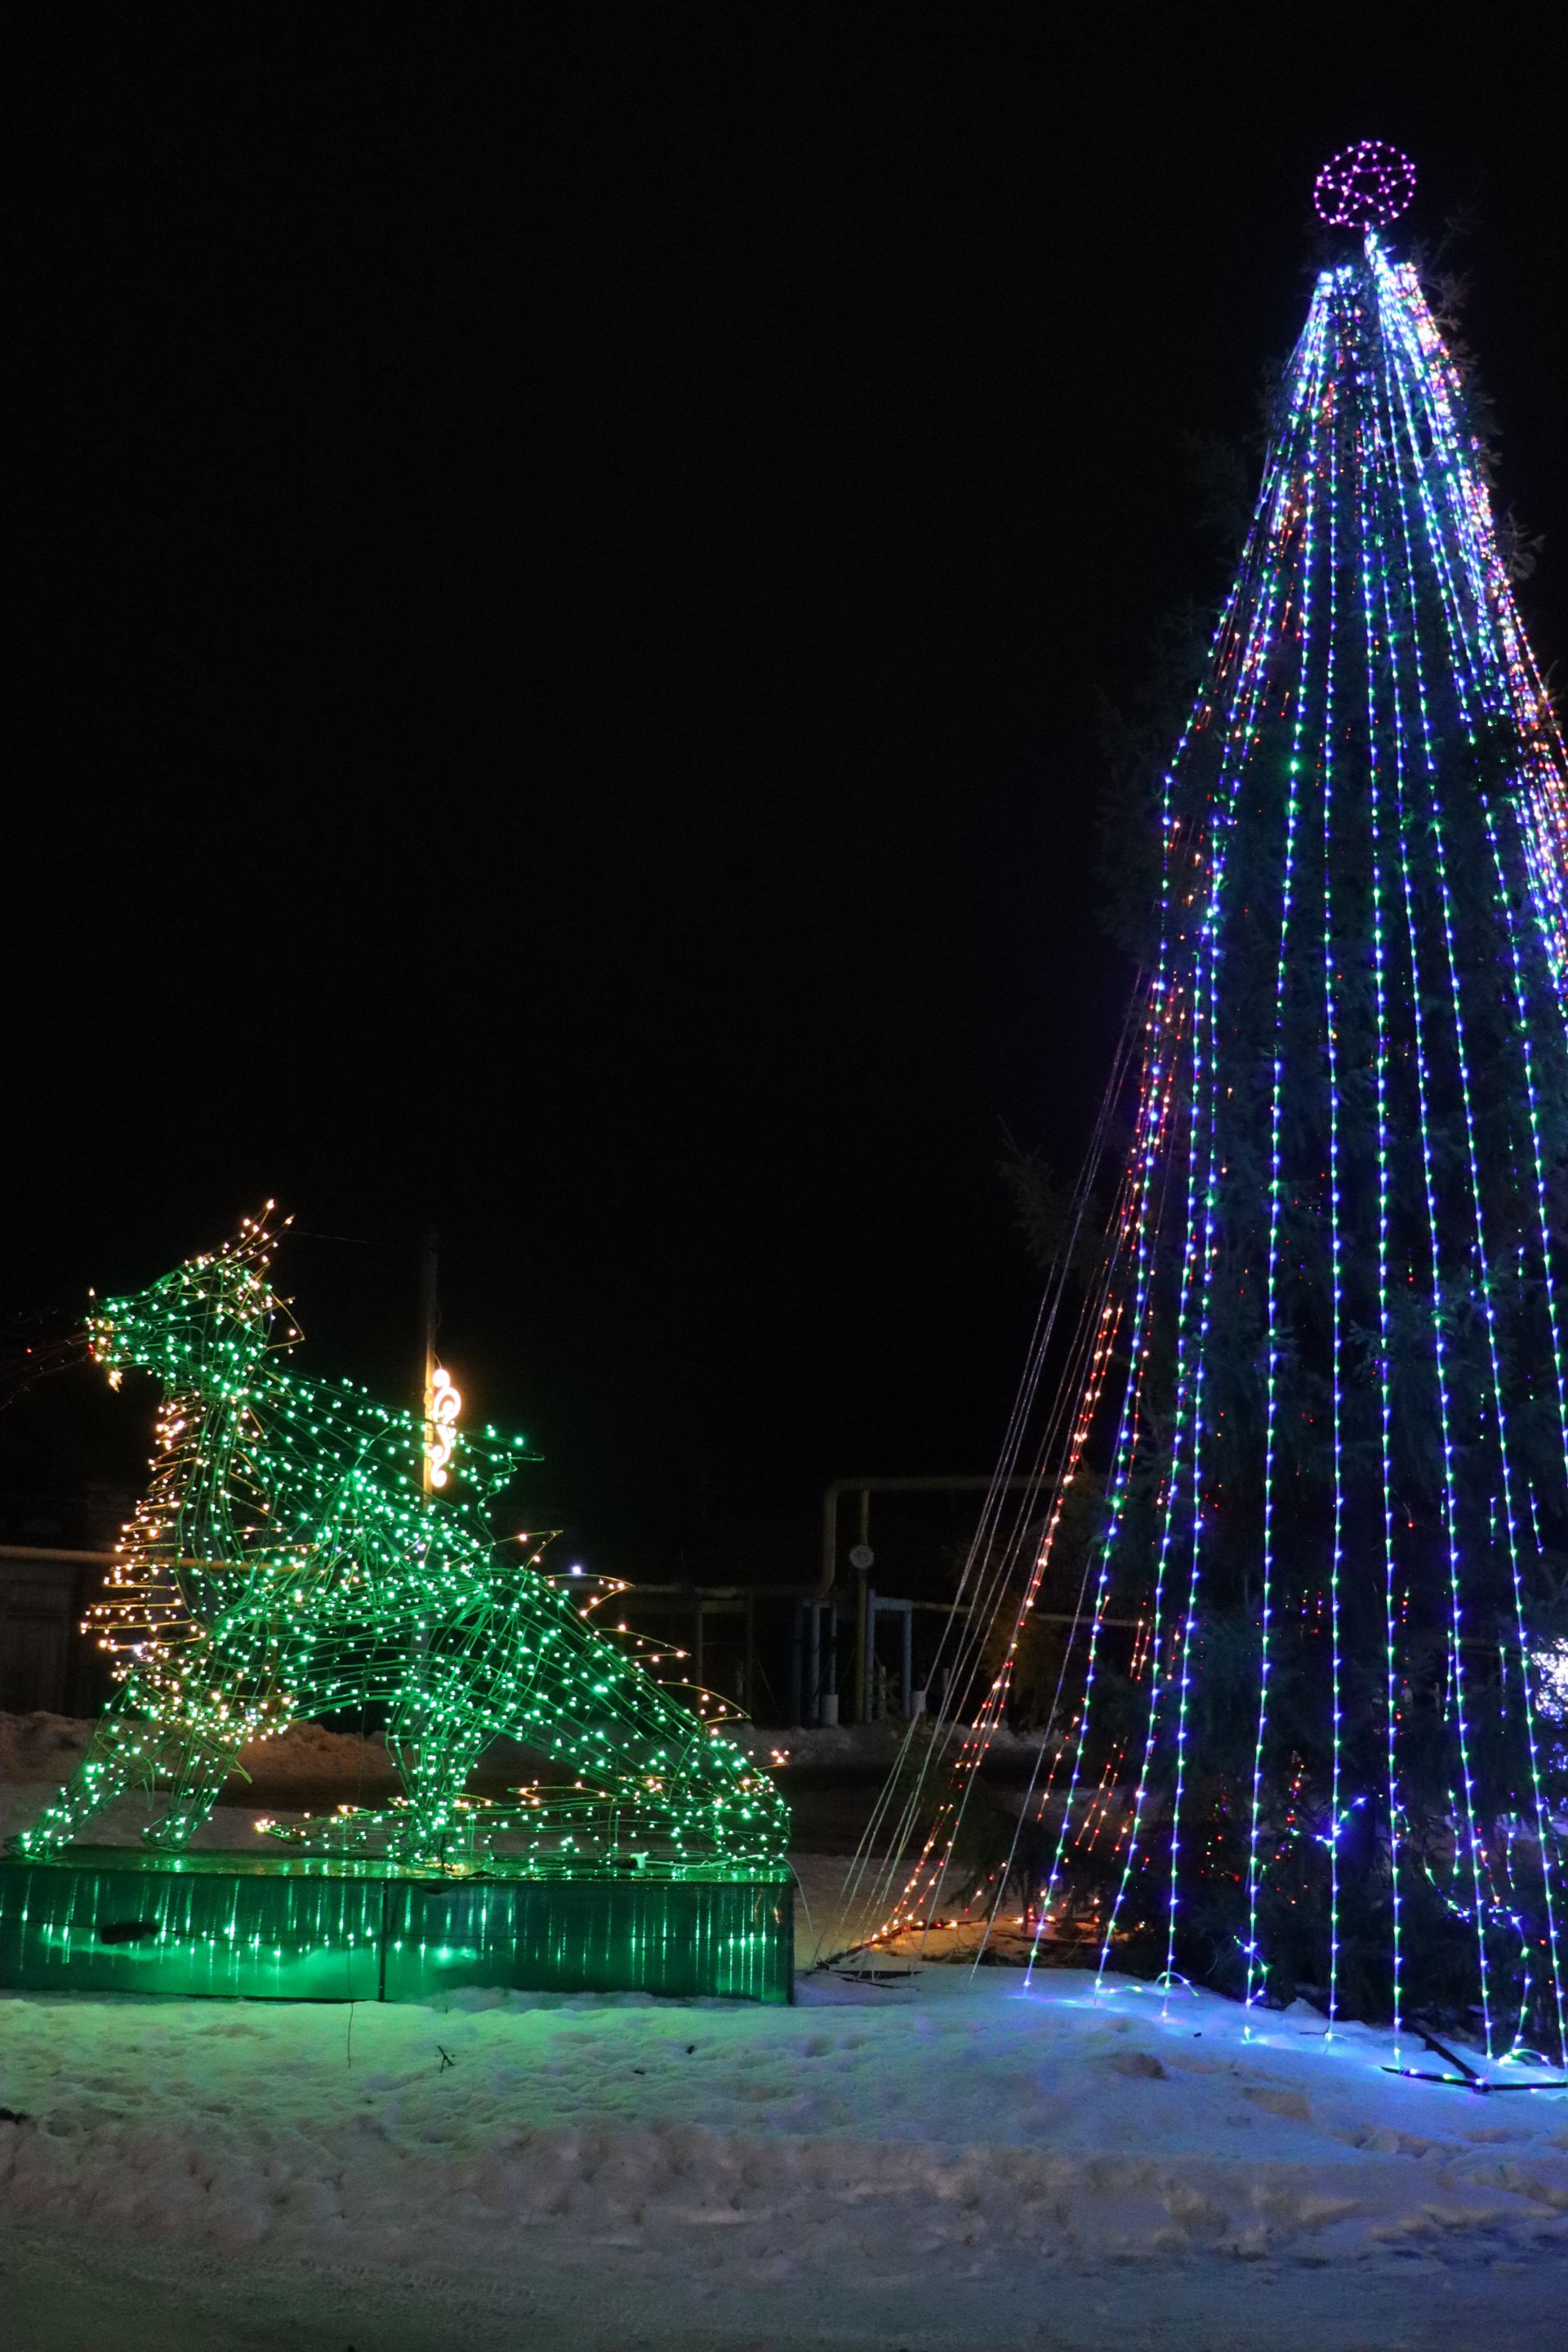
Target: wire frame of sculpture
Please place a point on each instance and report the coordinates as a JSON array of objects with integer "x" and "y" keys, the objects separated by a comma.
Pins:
[{"x": 286, "y": 1563}]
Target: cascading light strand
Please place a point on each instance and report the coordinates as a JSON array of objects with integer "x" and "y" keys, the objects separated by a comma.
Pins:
[
  {"x": 1414, "y": 413},
  {"x": 1394, "y": 624},
  {"x": 1539, "y": 1806},
  {"x": 1238, "y": 711},
  {"x": 1326, "y": 758},
  {"x": 1368, "y": 603},
  {"x": 1299, "y": 1751},
  {"x": 1256, "y": 1972},
  {"x": 1272, "y": 646}
]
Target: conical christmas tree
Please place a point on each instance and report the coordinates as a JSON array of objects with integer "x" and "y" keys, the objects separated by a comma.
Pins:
[{"x": 1327, "y": 1396}]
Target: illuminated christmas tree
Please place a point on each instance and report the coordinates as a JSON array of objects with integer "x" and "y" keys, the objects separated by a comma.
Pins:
[
  {"x": 303, "y": 1550},
  {"x": 1325, "y": 1392}
]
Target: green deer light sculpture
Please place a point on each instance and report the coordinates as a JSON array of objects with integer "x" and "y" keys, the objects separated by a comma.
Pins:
[{"x": 287, "y": 1562}]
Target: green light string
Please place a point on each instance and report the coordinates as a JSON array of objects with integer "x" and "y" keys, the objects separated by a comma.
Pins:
[{"x": 285, "y": 1562}]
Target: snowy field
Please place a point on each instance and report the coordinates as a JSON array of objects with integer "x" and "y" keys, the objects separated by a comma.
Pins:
[
  {"x": 952, "y": 2163},
  {"x": 955, "y": 2163}
]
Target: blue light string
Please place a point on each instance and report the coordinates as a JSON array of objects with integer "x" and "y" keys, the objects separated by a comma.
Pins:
[
  {"x": 1336, "y": 1261},
  {"x": 1166, "y": 1021},
  {"x": 1399, "y": 413},
  {"x": 1296, "y": 452},
  {"x": 1375, "y": 799},
  {"x": 1255, "y": 1973},
  {"x": 1438, "y": 546},
  {"x": 1542, "y": 1816},
  {"x": 1385, "y": 466},
  {"x": 1246, "y": 688},
  {"x": 1231, "y": 772}
]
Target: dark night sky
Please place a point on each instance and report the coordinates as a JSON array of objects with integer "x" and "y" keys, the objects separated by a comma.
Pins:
[{"x": 563, "y": 561}]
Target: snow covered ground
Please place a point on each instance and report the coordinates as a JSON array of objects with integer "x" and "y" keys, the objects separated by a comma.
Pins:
[{"x": 954, "y": 2162}]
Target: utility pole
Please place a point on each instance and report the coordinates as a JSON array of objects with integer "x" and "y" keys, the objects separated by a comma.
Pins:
[
  {"x": 431, "y": 1248},
  {"x": 860, "y": 1559}
]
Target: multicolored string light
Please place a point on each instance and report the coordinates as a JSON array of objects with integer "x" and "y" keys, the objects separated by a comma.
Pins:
[{"x": 1333, "y": 1434}]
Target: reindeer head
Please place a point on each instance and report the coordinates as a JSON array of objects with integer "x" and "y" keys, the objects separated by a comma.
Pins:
[{"x": 205, "y": 1325}]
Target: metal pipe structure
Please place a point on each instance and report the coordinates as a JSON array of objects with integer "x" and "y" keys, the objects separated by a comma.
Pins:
[{"x": 870, "y": 1486}]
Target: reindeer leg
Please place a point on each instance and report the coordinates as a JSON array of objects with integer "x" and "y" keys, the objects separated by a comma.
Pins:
[
  {"x": 435, "y": 1740},
  {"x": 434, "y": 1773},
  {"x": 124, "y": 1752},
  {"x": 200, "y": 1771}
]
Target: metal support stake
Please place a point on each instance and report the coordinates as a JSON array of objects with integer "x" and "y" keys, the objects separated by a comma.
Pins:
[
  {"x": 813, "y": 1665},
  {"x": 430, "y": 1316},
  {"x": 861, "y": 1684},
  {"x": 797, "y": 1662},
  {"x": 869, "y": 1606}
]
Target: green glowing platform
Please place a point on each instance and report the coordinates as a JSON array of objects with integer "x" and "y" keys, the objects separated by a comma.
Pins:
[{"x": 298, "y": 1927}]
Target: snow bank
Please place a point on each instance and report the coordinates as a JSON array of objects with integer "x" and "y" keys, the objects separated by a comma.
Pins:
[
  {"x": 963, "y": 2119},
  {"x": 956, "y": 2145},
  {"x": 42, "y": 1748},
  {"x": 954, "y": 2162},
  {"x": 47, "y": 1749}
]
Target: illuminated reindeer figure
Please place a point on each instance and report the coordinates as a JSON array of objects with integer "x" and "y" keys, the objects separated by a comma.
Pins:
[{"x": 285, "y": 1562}]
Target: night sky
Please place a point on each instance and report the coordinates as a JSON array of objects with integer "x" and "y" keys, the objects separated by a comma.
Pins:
[{"x": 564, "y": 563}]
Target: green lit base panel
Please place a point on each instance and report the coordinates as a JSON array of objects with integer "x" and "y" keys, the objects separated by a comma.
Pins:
[{"x": 117, "y": 1919}]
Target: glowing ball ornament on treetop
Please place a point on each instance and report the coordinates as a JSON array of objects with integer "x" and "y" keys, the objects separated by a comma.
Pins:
[{"x": 1364, "y": 187}]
